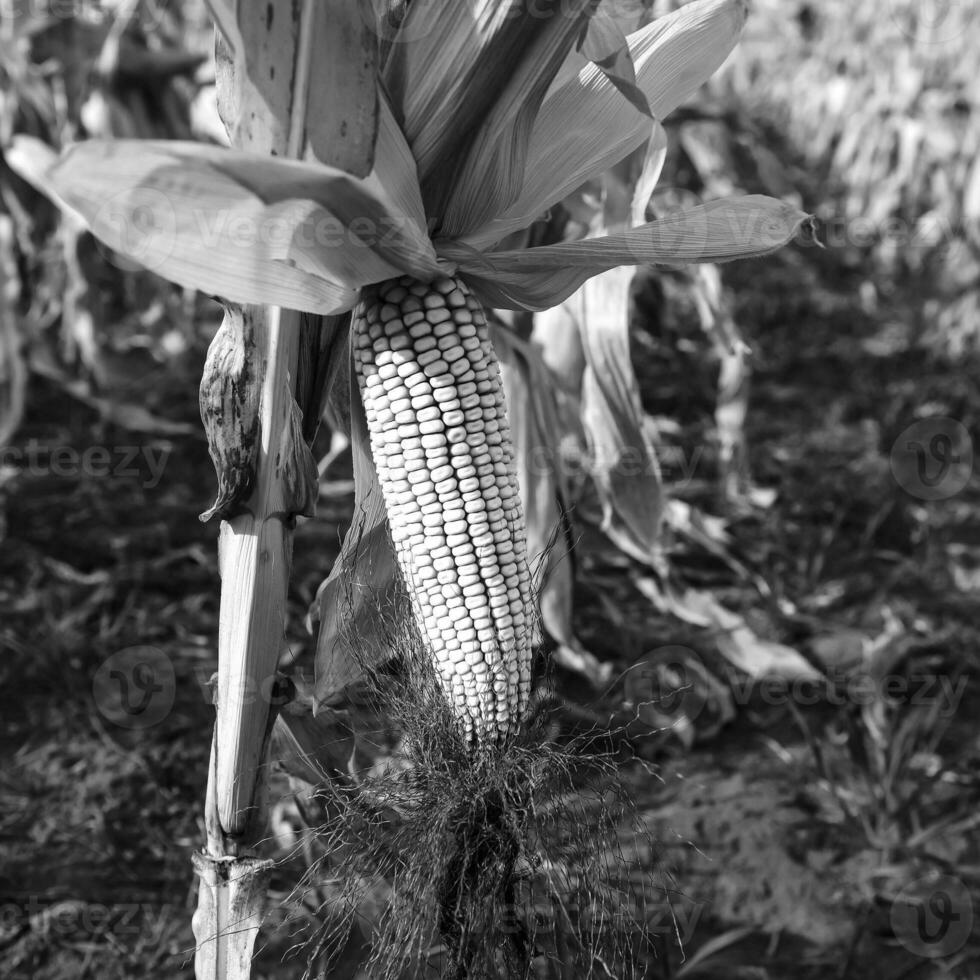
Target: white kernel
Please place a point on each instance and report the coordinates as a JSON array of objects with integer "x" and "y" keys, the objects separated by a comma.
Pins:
[
  {"x": 446, "y": 397},
  {"x": 428, "y": 413},
  {"x": 433, "y": 440}
]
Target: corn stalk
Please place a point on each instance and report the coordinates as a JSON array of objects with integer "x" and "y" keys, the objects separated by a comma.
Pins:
[{"x": 260, "y": 379}]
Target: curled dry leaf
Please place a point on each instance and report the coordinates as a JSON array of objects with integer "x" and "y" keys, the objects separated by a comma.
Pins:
[{"x": 229, "y": 400}]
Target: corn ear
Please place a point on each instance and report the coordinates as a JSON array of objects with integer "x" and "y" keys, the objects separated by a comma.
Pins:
[{"x": 431, "y": 389}]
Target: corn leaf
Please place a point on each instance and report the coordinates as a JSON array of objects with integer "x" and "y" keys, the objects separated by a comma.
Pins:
[
  {"x": 654, "y": 157},
  {"x": 395, "y": 176},
  {"x": 535, "y": 429},
  {"x": 538, "y": 38},
  {"x": 457, "y": 64},
  {"x": 238, "y": 225},
  {"x": 587, "y": 126},
  {"x": 624, "y": 467},
  {"x": 738, "y": 643},
  {"x": 605, "y": 45},
  {"x": 364, "y": 215},
  {"x": 719, "y": 231}
]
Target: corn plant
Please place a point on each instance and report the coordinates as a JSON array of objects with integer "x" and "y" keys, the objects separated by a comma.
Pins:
[{"x": 473, "y": 119}]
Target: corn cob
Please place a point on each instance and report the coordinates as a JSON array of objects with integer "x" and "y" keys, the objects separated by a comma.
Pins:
[{"x": 432, "y": 395}]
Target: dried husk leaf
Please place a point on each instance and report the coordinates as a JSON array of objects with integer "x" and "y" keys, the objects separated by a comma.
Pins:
[
  {"x": 296, "y": 466},
  {"x": 352, "y": 634},
  {"x": 229, "y": 401}
]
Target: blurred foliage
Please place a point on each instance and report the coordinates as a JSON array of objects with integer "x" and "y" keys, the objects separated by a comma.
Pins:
[{"x": 876, "y": 108}]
